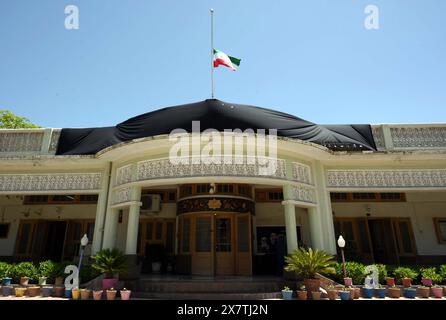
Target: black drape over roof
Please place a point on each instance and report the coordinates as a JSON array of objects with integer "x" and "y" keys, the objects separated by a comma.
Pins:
[{"x": 219, "y": 115}]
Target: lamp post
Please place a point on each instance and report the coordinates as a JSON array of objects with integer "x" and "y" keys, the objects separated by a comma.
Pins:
[
  {"x": 341, "y": 244},
  {"x": 84, "y": 242}
]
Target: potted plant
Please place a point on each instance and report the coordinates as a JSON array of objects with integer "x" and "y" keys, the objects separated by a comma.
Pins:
[
  {"x": 442, "y": 273},
  {"x": 125, "y": 294},
  {"x": 344, "y": 294},
  {"x": 7, "y": 290},
  {"x": 33, "y": 291},
  {"x": 410, "y": 293},
  {"x": 302, "y": 293},
  {"x": 97, "y": 294},
  {"x": 110, "y": 263},
  {"x": 390, "y": 281},
  {"x": 47, "y": 291},
  {"x": 59, "y": 291},
  {"x": 426, "y": 276},
  {"x": 357, "y": 292},
  {"x": 307, "y": 264},
  {"x": 111, "y": 294},
  {"x": 394, "y": 292},
  {"x": 332, "y": 293},
  {"x": 424, "y": 292},
  {"x": 437, "y": 291},
  {"x": 59, "y": 274},
  {"x": 85, "y": 294},
  {"x": 47, "y": 271},
  {"x": 316, "y": 295},
  {"x": 75, "y": 293},
  {"x": 287, "y": 293},
  {"x": 4, "y": 273},
  {"x": 380, "y": 291},
  {"x": 20, "y": 291},
  {"x": 367, "y": 292},
  {"x": 405, "y": 275},
  {"x": 348, "y": 282}
]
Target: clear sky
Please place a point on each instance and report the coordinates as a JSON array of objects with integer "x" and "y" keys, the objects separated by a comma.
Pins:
[{"x": 311, "y": 58}]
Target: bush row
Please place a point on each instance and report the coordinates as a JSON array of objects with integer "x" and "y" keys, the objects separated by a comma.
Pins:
[
  {"x": 48, "y": 269},
  {"x": 356, "y": 271}
]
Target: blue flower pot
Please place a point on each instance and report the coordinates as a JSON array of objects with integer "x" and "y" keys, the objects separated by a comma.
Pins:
[
  {"x": 287, "y": 295},
  {"x": 367, "y": 293},
  {"x": 381, "y": 292},
  {"x": 6, "y": 281},
  {"x": 345, "y": 295},
  {"x": 7, "y": 291},
  {"x": 68, "y": 293},
  {"x": 410, "y": 293},
  {"x": 46, "y": 291}
]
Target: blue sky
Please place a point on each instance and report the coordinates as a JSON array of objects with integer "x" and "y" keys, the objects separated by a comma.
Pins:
[{"x": 311, "y": 58}]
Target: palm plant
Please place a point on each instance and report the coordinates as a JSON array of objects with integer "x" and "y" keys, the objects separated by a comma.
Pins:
[
  {"x": 307, "y": 263},
  {"x": 110, "y": 262}
]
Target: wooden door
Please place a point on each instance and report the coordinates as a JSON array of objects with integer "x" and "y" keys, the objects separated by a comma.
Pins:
[
  {"x": 224, "y": 244},
  {"x": 25, "y": 235},
  {"x": 244, "y": 245},
  {"x": 203, "y": 243}
]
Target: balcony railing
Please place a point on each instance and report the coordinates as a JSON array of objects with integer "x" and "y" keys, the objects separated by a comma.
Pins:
[{"x": 28, "y": 141}]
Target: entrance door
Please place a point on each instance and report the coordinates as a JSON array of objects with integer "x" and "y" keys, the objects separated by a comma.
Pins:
[
  {"x": 243, "y": 250},
  {"x": 383, "y": 243},
  {"x": 54, "y": 242},
  {"x": 224, "y": 245}
]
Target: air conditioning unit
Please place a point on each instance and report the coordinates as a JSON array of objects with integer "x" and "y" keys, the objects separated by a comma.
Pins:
[{"x": 150, "y": 203}]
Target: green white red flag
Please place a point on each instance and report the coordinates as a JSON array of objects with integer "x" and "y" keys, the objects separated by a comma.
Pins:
[{"x": 221, "y": 58}]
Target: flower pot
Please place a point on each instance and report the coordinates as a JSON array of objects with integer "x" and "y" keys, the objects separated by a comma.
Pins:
[
  {"x": 97, "y": 294},
  {"x": 316, "y": 295},
  {"x": 59, "y": 281},
  {"x": 367, "y": 293},
  {"x": 390, "y": 282},
  {"x": 59, "y": 291},
  {"x": 357, "y": 292},
  {"x": 348, "y": 282},
  {"x": 381, "y": 293},
  {"x": 352, "y": 293},
  {"x": 68, "y": 293},
  {"x": 24, "y": 281},
  {"x": 42, "y": 281},
  {"x": 20, "y": 292},
  {"x": 111, "y": 294},
  {"x": 286, "y": 294},
  {"x": 6, "y": 281},
  {"x": 75, "y": 294},
  {"x": 302, "y": 295},
  {"x": 46, "y": 291},
  {"x": 85, "y": 294},
  {"x": 108, "y": 283},
  {"x": 7, "y": 290},
  {"x": 426, "y": 282},
  {"x": 311, "y": 285},
  {"x": 394, "y": 292},
  {"x": 406, "y": 282},
  {"x": 424, "y": 292},
  {"x": 437, "y": 292},
  {"x": 125, "y": 294},
  {"x": 332, "y": 294},
  {"x": 410, "y": 293},
  {"x": 33, "y": 291},
  {"x": 344, "y": 295}
]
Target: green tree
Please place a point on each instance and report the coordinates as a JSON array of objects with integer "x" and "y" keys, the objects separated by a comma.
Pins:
[{"x": 9, "y": 120}]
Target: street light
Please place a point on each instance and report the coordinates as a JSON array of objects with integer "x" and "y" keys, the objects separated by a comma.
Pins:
[
  {"x": 341, "y": 244},
  {"x": 84, "y": 242}
]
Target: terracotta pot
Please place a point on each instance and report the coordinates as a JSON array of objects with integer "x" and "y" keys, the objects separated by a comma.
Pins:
[
  {"x": 97, "y": 294},
  {"x": 311, "y": 285},
  {"x": 59, "y": 291},
  {"x": 390, "y": 282},
  {"x": 424, "y": 292},
  {"x": 125, "y": 294},
  {"x": 332, "y": 294},
  {"x": 406, "y": 282},
  {"x": 352, "y": 293},
  {"x": 85, "y": 294},
  {"x": 75, "y": 294},
  {"x": 316, "y": 295},
  {"x": 426, "y": 282},
  {"x": 348, "y": 282},
  {"x": 20, "y": 292},
  {"x": 394, "y": 292},
  {"x": 42, "y": 281},
  {"x": 302, "y": 295},
  {"x": 444, "y": 290},
  {"x": 108, "y": 283},
  {"x": 111, "y": 294},
  {"x": 58, "y": 281},
  {"x": 437, "y": 292},
  {"x": 357, "y": 293},
  {"x": 33, "y": 291},
  {"x": 24, "y": 281}
]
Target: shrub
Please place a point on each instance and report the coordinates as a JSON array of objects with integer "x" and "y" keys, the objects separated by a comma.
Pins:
[
  {"x": 431, "y": 273},
  {"x": 48, "y": 269},
  {"x": 442, "y": 271},
  {"x": 4, "y": 269},
  {"x": 24, "y": 269},
  {"x": 110, "y": 262},
  {"x": 354, "y": 270},
  {"x": 306, "y": 263},
  {"x": 405, "y": 272},
  {"x": 88, "y": 273},
  {"x": 382, "y": 273}
]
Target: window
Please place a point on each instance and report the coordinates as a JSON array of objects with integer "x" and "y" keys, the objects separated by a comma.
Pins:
[
  {"x": 203, "y": 234},
  {"x": 440, "y": 228},
  {"x": 367, "y": 197},
  {"x": 225, "y": 188},
  {"x": 4, "y": 230},
  {"x": 338, "y": 196},
  {"x": 186, "y": 190},
  {"x": 364, "y": 196},
  {"x": 185, "y": 235},
  {"x": 165, "y": 195},
  {"x": 203, "y": 188},
  {"x": 61, "y": 199},
  {"x": 269, "y": 195},
  {"x": 244, "y": 190}
]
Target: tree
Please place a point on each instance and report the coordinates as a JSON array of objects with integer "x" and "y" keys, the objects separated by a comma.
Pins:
[{"x": 9, "y": 120}]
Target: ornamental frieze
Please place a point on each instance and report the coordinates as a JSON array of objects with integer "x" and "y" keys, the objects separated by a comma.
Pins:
[{"x": 215, "y": 204}]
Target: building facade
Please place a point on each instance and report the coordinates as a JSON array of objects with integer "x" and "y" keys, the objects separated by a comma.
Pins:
[{"x": 225, "y": 219}]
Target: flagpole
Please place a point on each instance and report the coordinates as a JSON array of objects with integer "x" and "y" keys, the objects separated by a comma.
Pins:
[{"x": 212, "y": 53}]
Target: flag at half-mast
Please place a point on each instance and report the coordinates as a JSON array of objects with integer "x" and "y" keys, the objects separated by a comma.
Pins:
[{"x": 221, "y": 58}]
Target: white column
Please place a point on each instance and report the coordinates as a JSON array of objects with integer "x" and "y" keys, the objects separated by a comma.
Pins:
[
  {"x": 110, "y": 229},
  {"x": 290, "y": 220},
  {"x": 316, "y": 229},
  {"x": 101, "y": 210},
  {"x": 131, "y": 243}
]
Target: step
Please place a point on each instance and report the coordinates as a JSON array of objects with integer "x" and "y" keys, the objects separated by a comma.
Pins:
[{"x": 207, "y": 296}]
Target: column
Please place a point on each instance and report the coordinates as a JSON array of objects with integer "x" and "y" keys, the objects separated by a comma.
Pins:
[
  {"x": 316, "y": 228},
  {"x": 101, "y": 209},
  {"x": 110, "y": 229},
  {"x": 290, "y": 220},
  {"x": 132, "y": 230}
]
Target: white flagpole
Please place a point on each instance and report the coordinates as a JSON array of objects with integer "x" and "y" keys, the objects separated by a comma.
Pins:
[{"x": 212, "y": 53}]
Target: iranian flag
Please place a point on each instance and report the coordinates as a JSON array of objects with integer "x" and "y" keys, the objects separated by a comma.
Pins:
[{"x": 221, "y": 58}]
